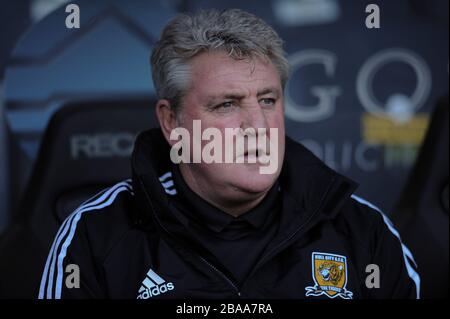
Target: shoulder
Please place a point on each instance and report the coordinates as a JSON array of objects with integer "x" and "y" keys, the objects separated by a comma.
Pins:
[
  {"x": 362, "y": 221},
  {"x": 386, "y": 245},
  {"x": 370, "y": 224},
  {"x": 110, "y": 204},
  {"x": 363, "y": 211},
  {"x": 103, "y": 218}
]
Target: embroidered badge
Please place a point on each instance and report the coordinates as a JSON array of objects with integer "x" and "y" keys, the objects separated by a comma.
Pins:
[{"x": 329, "y": 272}]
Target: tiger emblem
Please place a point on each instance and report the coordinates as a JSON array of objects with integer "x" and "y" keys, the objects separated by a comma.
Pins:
[{"x": 331, "y": 272}]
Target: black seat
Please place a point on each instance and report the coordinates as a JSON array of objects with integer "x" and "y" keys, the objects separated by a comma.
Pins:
[
  {"x": 86, "y": 147},
  {"x": 422, "y": 211}
]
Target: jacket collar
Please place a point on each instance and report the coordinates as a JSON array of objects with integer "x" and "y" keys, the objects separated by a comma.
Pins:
[
  {"x": 214, "y": 218},
  {"x": 311, "y": 191}
]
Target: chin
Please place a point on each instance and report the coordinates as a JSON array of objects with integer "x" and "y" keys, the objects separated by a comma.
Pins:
[{"x": 250, "y": 180}]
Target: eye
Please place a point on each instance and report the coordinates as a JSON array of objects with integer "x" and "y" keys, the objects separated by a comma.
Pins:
[
  {"x": 267, "y": 101},
  {"x": 225, "y": 105}
]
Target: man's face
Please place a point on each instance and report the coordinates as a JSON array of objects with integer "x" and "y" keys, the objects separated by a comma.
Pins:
[{"x": 227, "y": 93}]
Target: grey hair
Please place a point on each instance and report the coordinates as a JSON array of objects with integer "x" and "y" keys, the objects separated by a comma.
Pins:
[{"x": 240, "y": 34}]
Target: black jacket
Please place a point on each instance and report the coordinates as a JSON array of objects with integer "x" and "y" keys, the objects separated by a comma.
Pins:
[{"x": 128, "y": 243}]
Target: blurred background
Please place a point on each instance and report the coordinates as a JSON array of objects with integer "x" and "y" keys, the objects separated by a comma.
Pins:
[{"x": 370, "y": 102}]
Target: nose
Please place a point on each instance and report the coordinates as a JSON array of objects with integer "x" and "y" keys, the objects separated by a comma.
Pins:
[{"x": 253, "y": 117}]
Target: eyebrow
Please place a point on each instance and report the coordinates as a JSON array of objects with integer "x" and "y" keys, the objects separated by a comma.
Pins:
[
  {"x": 269, "y": 90},
  {"x": 237, "y": 96}
]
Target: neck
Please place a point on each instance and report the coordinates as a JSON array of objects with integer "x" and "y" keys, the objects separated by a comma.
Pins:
[{"x": 233, "y": 201}]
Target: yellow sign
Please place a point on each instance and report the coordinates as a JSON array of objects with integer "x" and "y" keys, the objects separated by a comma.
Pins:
[{"x": 387, "y": 131}]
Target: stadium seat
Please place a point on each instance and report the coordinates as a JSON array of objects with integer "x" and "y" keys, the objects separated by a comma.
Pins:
[
  {"x": 421, "y": 215},
  {"x": 85, "y": 148}
]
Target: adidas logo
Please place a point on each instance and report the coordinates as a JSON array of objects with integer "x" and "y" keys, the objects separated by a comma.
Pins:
[
  {"x": 167, "y": 183},
  {"x": 153, "y": 285}
]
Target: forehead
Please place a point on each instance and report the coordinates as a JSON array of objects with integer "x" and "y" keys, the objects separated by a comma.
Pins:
[{"x": 215, "y": 72}]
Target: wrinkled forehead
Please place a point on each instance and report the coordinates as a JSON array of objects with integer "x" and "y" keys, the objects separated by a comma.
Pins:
[{"x": 215, "y": 73}]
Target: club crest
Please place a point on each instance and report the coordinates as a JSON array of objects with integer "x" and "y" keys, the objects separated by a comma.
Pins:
[{"x": 329, "y": 272}]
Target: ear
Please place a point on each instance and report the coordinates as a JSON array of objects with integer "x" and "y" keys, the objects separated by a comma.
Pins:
[{"x": 167, "y": 118}]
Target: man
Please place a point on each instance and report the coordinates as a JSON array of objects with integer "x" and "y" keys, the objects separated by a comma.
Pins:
[{"x": 196, "y": 228}]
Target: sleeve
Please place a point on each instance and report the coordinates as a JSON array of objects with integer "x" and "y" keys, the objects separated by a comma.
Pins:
[
  {"x": 70, "y": 270},
  {"x": 399, "y": 278},
  {"x": 398, "y": 274}
]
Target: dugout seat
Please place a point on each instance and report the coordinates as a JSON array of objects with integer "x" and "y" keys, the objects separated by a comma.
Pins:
[
  {"x": 85, "y": 148},
  {"x": 421, "y": 215}
]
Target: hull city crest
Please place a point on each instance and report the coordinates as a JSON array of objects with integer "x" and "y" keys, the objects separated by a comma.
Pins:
[{"x": 329, "y": 272}]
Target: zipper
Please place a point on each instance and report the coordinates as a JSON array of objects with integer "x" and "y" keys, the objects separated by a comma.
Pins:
[
  {"x": 225, "y": 277},
  {"x": 260, "y": 262},
  {"x": 274, "y": 250},
  {"x": 232, "y": 284},
  {"x": 285, "y": 241}
]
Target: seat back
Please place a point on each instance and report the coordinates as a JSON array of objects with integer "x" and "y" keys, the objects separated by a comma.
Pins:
[
  {"x": 421, "y": 214},
  {"x": 85, "y": 148}
]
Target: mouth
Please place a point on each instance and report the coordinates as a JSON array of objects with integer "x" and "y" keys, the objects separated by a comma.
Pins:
[
  {"x": 255, "y": 153},
  {"x": 255, "y": 156}
]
